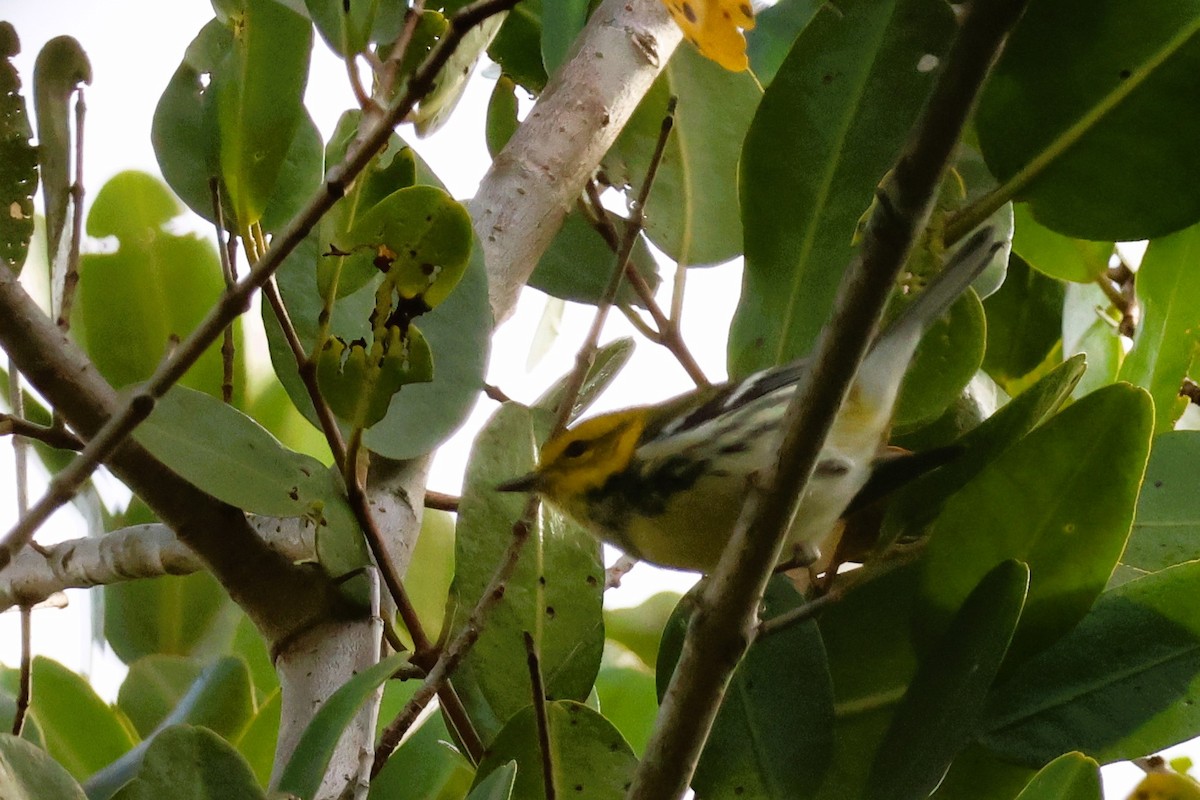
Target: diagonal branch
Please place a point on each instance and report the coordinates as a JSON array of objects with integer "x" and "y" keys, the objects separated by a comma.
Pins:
[{"x": 722, "y": 630}]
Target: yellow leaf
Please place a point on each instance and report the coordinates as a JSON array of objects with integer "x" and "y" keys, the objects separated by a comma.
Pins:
[
  {"x": 715, "y": 27},
  {"x": 1166, "y": 786}
]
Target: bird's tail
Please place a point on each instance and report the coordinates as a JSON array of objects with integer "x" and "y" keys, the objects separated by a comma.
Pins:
[{"x": 885, "y": 364}]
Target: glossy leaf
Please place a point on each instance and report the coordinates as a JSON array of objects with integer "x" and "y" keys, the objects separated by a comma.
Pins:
[
  {"x": 451, "y": 81},
  {"x": 428, "y": 580},
  {"x": 692, "y": 214},
  {"x": 169, "y": 615},
  {"x": 29, "y": 773},
  {"x": 1095, "y": 151},
  {"x": 606, "y": 365},
  {"x": 579, "y": 262},
  {"x": 426, "y": 766},
  {"x": 358, "y": 382},
  {"x": 1121, "y": 685},
  {"x": 156, "y": 285},
  {"x": 715, "y": 28},
  {"x": 517, "y": 46},
  {"x": 1056, "y": 255},
  {"x": 780, "y": 690},
  {"x": 639, "y": 628},
  {"x": 1071, "y": 776},
  {"x": 978, "y": 775},
  {"x": 945, "y": 698},
  {"x": 304, "y": 771},
  {"x": 948, "y": 356},
  {"x": 230, "y": 456},
  {"x": 1168, "y": 336},
  {"x": 776, "y": 29},
  {"x": 826, "y": 132},
  {"x": 917, "y": 505},
  {"x": 458, "y": 332},
  {"x": 501, "y": 115},
  {"x": 82, "y": 732},
  {"x": 1166, "y": 528},
  {"x": 221, "y": 699},
  {"x": 590, "y": 759},
  {"x": 18, "y": 158},
  {"x": 498, "y": 785},
  {"x": 1024, "y": 322},
  {"x": 258, "y": 92},
  {"x": 192, "y": 763},
  {"x": 345, "y": 25},
  {"x": 625, "y": 688},
  {"x": 60, "y": 67},
  {"x": 561, "y": 23},
  {"x": 1077, "y": 478},
  {"x": 186, "y": 137},
  {"x": 1090, "y": 330},
  {"x": 260, "y": 737},
  {"x": 554, "y": 594},
  {"x": 153, "y": 686}
]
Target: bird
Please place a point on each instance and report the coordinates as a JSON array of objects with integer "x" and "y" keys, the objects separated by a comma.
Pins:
[{"x": 665, "y": 483}]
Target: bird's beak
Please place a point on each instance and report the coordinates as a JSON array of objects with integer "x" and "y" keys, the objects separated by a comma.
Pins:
[{"x": 525, "y": 483}]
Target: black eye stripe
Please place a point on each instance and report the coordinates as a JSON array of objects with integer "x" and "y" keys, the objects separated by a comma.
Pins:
[{"x": 575, "y": 449}]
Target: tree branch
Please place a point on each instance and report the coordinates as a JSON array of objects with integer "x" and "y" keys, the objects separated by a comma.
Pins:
[
  {"x": 725, "y": 622},
  {"x": 552, "y": 154}
]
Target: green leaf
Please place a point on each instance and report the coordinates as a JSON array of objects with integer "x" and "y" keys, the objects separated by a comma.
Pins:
[
  {"x": 428, "y": 580},
  {"x": 826, "y": 132},
  {"x": 156, "y": 286},
  {"x": 153, "y": 686},
  {"x": 424, "y": 238},
  {"x": 590, "y": 759},
  {"x": 170, "y": 615},
  {"x": 579, "y": 262},
  {"x": 1089, "y": 329},
  {"x": 561, "y": 23},
  {"x": 345, "y": 25},
  {"x": 606, "y": 364},
  {"x": 451, "y": 81},
  {"x": 781, "y": 692},
  {"x": 948, "y": 356},
  {"x": 1077, "y": 480},
  {"x": 918, "y": 504},
  {"x": 1120, "y": 685},
  {"x": 1071, "y": 776},
  {"x": 501, "y": 115},
  {"x": 304, "y": 771},
  {"x": 517, "y": 47},
  {"x": 1095, "y": 151},
  {"x": 258, "y": 741},
  {"x": 692, "y": 214},
  {"x": 192, "y": 763},
  {"x": 625, "y": 688},
  {"x": 1166, "y": 528},
  {"x": 555, "y": 593},
  {"x": 60, "y": 67},
  {"x": 458, "y": 332},
  {"x": 978, "y": 775},
  {"x": 938, "y": 713},
  {"x": 1054, "y": 254},
  {"x": 776, "y": 28},
  {"x": 18, "y": 158},
  {"x": 221, "y": 699},
  {"x": 498, "y": 785},
  {"x": 29, "y": 773},
  {"x": 1024, "y": 322},
  {"x": 258, "y": 92},
  {"x": 639, "y": 628},
  {"x": 82, "y": 732},
  {"x": 358, "y": 382},
  {"x": 1168, "y": 336},
  {"x": 230, "y": 456}
]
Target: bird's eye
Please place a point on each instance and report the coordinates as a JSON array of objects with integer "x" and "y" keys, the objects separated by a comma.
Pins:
[{"x": 575, "y": 449}]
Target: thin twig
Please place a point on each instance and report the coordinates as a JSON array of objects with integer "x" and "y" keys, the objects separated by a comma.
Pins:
[
  {"x": 543, "y": 722},
  {"x": 441, "y": 501},
  {"x": 138, "y": 406},
  {"x": 587, "y": 351},
  {"x": 16, "y": 401},
  {"x": 454, "y": 652},
  {"x": 25, "y": 684},
  {"x": 614, "y": 574},
  {"x": 356, "y": 86},
  {"x": 389, "y": 69},
  {"x": 228, "y": 352},
  {"x": 496, "y": 393},
  {"x": 718, "y": 638},
  {"x": 59, "y": 438},
  {"x": 71, "y": 276}
]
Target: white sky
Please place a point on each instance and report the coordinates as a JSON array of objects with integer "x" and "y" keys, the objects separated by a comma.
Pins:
[{"x": 134, "y": 46}]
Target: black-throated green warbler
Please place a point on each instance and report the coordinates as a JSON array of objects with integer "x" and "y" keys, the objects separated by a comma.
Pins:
[{"x": 665, "y": 483}]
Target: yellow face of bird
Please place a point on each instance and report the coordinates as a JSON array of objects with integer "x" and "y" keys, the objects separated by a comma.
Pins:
[{"x": 583, "y": 458}]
